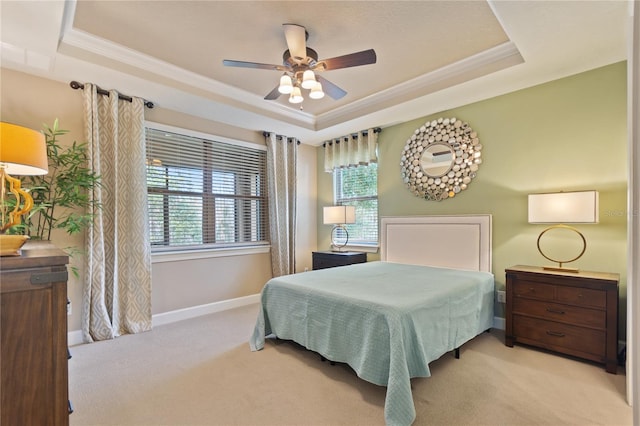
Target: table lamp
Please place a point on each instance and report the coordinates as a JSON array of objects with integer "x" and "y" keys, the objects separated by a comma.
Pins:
[
  {"x": 339, "y": 216},
  {"x": 22, "y": 152},
  {"x": 561, "y": 208}
]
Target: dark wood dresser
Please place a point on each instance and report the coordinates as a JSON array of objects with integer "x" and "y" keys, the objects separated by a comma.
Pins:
[
  {"x": 33, "y": 347},
  {"x": 572, "y": 313},
  {"x": 330, "y": 259}
]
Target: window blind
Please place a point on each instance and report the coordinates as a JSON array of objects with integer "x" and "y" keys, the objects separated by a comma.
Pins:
[{"x": 204, "y": 192}]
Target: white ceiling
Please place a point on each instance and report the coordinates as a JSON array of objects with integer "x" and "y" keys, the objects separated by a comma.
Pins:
[{"x": 431, "y": 55}]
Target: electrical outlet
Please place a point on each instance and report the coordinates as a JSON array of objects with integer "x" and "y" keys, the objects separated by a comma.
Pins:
[
  {"x": 502, "y": 296},
  {"x": 68, "y": 307}
]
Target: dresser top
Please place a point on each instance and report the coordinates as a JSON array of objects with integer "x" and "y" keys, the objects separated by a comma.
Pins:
[
  {"x": 35, "y": 254},
  {"x": 609, "y": 276}
]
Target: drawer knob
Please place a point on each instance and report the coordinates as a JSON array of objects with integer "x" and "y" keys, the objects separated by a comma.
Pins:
[
  {"x": 555, "y": 311},
  {"x": 555, "y": 333}
]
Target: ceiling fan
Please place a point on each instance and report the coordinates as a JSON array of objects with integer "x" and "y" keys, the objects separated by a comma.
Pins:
[{"x": 300, "y": 64}]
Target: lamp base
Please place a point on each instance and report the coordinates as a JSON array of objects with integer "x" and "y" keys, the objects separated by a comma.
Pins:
[
  {"x": 335, "y": 245},
  {"x": 560, "y": 269},
  {"x": 10, "y": 245}
]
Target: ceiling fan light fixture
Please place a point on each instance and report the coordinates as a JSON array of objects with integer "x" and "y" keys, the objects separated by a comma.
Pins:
[
  {"x": 316, "y": 92},
  {"x": 300, "y": 64},
  {"x": 308, "y": 80},
  {"x": 296, "y": 96},
  {"x": 286, "y": 86}
]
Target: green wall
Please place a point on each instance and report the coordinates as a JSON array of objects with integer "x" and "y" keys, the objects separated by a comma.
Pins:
[{"x": 569, "y": 134}]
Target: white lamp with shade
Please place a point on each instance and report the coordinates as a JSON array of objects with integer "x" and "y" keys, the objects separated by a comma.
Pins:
[
  {"x": 339, "y": 216},
  {"x": 561, "y": 208}
]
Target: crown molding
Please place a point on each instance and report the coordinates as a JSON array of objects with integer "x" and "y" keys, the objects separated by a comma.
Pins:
[{"x": 490, "y": 60}]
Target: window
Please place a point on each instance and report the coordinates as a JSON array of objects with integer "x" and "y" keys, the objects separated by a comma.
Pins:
[
  {"x": 205, "y": 193},
  {"x": 358, "y": 186}
]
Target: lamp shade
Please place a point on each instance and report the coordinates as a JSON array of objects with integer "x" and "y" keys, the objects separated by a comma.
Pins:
[
  {"x": 316, "y": 92},
  {"x": 296, "y": 96},
  {"x": 286, "y": 86},
  {"x": 22, "y": 151},
  {"x": 308, "y": 79},
  {"x": 339, "y": 215},
  {"x": 564, "y": 207}
]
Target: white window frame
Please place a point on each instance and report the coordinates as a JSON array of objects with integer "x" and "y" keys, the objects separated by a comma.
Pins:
[
  {"x": 371, "y": 247},
  {"x": 174, "y": 254}
]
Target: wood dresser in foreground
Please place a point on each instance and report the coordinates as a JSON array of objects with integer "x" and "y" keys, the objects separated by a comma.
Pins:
[
  {"x": 33, "y": 347},
  {"x": 575, "y": 313}
]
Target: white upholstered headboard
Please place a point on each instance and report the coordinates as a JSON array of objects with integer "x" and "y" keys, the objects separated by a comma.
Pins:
[{"x": 459, "y": 241}]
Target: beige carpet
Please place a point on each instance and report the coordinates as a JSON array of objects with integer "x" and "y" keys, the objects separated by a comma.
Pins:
[{"x": 201, "y": 372}]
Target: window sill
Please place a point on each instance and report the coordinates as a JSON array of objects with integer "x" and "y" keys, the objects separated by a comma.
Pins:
[
  {"x": 181, "y": 255},
  {"x": 363, "y": 248}
]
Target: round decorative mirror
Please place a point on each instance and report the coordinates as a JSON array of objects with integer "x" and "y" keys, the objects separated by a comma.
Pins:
[{"x": 440, "y": 159}]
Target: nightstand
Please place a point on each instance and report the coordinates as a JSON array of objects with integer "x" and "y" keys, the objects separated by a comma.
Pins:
[
  {"x": 567, "y": 312},
  {"x": 330, "y": 259}
]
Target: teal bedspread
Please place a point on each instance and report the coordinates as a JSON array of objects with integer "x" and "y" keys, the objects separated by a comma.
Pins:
[{"x": 387, "y": 321}]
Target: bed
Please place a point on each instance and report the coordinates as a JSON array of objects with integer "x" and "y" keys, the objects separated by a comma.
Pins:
[{"x": 431, "y": 292}]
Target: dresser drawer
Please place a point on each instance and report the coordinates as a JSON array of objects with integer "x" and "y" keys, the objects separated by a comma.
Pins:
[
  {"x": 563, "y": 313},
  {"x": 534, "y": 290},
  {"x": 554, "y": 334},
  {"x": 582, "y": 297},
  {"x": 326, "y": 262}
]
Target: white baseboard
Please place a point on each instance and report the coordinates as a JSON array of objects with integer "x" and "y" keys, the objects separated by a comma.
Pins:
[
  {"x": 209, "y": 308},
  {"x": 75, "y": 337}
]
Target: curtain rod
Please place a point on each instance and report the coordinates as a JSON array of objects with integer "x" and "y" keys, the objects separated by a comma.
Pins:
[
  {"x": 265, "y": 134},
  {"x": 76, "y": 85},
  {"x": 364, "y": 133}
]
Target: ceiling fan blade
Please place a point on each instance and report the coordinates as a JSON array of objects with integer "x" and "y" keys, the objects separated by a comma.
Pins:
[
  {"x": 296, "y": 36},
  {"x": 243, "y": 64},
  {"x": 273, "y": 95},
  {"x": 365, "y": 57},
  {"x": 330, "y": 89}
]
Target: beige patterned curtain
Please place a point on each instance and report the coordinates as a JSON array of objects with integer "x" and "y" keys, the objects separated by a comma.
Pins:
[
  {"x": 117, "y": 288},
  {"x": 282, "y": 155},
  {"x": 351, "y": 150}
]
